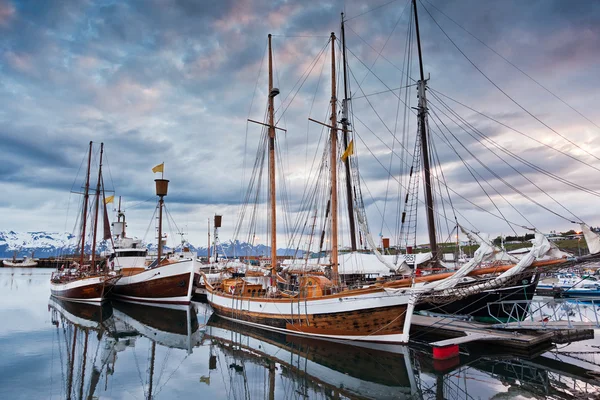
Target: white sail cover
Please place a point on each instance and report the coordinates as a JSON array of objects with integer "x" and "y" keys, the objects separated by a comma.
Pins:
[
  {"x": 363, "y": 225},
  {"x": 349, "y": 264},
  {"x": 541, "y": 248},
  {"x": 485, "y": 251},
  {"x": 591, "y": 238}
]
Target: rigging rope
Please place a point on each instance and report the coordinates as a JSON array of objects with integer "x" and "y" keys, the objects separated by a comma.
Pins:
[
  {"x": 514, "y": 66},
  {"x": 506, "y": 94},
  {"x": 513, "y": 168}
]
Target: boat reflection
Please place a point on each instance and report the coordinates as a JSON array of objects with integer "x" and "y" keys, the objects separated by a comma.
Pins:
[
  {"x": 117, "y": 328},
  {"x": 155, "y": 352},
  {"x": 293, "y": 367},
  {"x": 173, "y": 326},
  {"x": 74, "y": 322},
  {"x": 310, "y": 367}
]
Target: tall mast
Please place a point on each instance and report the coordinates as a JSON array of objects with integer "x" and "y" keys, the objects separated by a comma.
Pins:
[
  {"x": 86, "y": 195},
  {"x": 345, "y": 123},
  {"x": 208, "y": 259},
  {"x": 334, "y": 206},
  {"x": 272, "y": 193},
  {"x": 97, "y": 207},
  {"x": 422, "y": 114}
]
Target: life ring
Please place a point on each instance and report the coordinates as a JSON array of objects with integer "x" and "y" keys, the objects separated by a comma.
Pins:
[{"x": 231, "y": 288}]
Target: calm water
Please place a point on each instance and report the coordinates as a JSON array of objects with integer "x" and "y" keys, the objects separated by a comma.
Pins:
[{"x": 51, "y": 349}]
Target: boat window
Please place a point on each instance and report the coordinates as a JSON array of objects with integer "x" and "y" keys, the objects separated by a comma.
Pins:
[{"x": 131, "y": 254}]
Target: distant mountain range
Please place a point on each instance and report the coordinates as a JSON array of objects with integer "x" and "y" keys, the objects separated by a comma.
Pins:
[{"x": 52, "y": 244}]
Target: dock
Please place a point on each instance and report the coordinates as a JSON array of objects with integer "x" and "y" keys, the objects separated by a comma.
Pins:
[{"x": 446, "y": 334}]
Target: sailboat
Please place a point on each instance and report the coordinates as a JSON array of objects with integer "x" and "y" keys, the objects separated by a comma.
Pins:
[
  {"x": 305, "y": 304},
  {"x": 322, "y": 307},
  {"x": 492, "y": 275},
  {"x": 163, "y": 281},
  {"x": 26, "y": 262},
  {"x": 80, "y": 281}
]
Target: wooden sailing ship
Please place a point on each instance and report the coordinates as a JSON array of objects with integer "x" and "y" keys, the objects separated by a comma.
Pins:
[
  {"x": 322, "y": 307},
  {"x": 85, "y": 280},
  {"x": 164, "y": 281}
]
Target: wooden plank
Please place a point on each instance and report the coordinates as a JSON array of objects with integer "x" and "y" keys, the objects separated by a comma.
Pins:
[
  {"x": 471, "y": 337},
  {"x": 551, "y": 325}
]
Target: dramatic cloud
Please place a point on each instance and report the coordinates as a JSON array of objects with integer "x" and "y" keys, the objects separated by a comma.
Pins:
[{"x": 174, "y": 81}]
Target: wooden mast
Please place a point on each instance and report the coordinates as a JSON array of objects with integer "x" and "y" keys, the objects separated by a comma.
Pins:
[
  {"x": 422, "y": 113},
  {"x": 208, "y": 251},
  {"x": 272, "y": 192},
  {"x": 333, "y": 166},
  {"x": 345, "y": 124},
  {"x": 86, "y": 195},
  {"x": 97, "y": 207}
]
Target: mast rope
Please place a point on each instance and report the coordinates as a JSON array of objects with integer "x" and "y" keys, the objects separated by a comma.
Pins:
[
  {"x": 505, "y": 93},
  {"x": 512, "y": 167},
  {"x": 405, "y": 62},
  {"x": 514, "y": 66},
  {"x": 517, "y": 131},
  {"x": 372, "y": 9},
  {"x": 472, "y": 170}
]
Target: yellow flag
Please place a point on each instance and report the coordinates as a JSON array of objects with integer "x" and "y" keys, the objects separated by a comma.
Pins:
[
  {"x": 109, "y": 199},
  {"x": 159, "y": 168},
  {"x": 349, "y": 151}
]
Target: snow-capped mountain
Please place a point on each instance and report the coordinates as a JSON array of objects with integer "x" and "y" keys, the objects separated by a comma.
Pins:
[{"x": 53, "y": 244}]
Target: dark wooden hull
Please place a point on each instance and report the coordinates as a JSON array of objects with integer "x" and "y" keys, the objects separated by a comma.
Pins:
[
  {"x": 478, "y": 305},
  {"x": 359, "y": 323},
  {"x": 169, "y": 290},
  {"x": 79, "y": 290}
]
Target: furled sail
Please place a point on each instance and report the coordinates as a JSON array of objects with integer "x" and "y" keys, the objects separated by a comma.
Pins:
[
  {"x": 541, "y": 248},
  {"x": 591, "y": 238},
  {"x": 486, "y": 251}
]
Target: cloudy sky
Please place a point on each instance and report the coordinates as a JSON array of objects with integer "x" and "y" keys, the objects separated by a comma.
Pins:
[{"x": 176, "y": 80}]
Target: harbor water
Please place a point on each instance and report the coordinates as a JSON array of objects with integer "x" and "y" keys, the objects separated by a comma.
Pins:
[{"x": 52, "y": 349}]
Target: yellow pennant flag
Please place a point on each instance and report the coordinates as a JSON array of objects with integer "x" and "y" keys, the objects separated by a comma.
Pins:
[
  {"x": 349, "y": 151},
  {"x": 159, "y": 168},
  {"x": 109, "y": 199}
]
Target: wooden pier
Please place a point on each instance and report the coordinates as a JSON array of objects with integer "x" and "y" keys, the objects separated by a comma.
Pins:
[{"x": 454, "y": 332}]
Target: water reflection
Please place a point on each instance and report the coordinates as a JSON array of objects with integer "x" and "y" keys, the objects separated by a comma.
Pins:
[
  {"x": 139, "y": 351},
  {"x": 116, "y": 328},
  {"x": 309, "y": 367}
]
